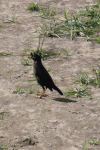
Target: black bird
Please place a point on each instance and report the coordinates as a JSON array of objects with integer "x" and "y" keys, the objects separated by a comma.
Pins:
[{"x": 42, "y": 76}]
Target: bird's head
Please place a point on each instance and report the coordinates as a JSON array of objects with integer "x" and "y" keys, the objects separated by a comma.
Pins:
[{"x": 35, "y": 57}]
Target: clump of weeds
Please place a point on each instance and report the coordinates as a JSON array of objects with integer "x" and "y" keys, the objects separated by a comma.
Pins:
[
  {"x": 25, "y": 62},
  {"x": 85, "y": 23},
  {"x": 84, "y": 78},
  {"x": 18, "y": 90},
  {"x": 94, "y": 142},
  {"x": 78, "y": 92},
  {"x": 33, "y": 7},
  {"x": 6, "y": 53},
  {"x": 31, "y": 90},
  {"x": 48, "y": 12}
]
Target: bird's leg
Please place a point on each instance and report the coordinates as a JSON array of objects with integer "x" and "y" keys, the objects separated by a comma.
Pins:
[{"x": 40, "y": 95}]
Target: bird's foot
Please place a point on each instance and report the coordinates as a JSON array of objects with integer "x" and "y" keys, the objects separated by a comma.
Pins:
[{"x": 40, "y": 94}]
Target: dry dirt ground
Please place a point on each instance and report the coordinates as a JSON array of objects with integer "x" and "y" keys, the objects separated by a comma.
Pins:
[{"x": 53, "y": 122}]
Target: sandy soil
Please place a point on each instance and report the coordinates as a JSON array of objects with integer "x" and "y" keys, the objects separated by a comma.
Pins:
[{"x": 53, "y": 122}]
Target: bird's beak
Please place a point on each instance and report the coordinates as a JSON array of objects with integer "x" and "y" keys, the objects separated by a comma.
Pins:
[{"x": 29, "y": 56}]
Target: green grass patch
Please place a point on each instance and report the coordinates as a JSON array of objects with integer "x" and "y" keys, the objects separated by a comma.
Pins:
[
  {"x": 44, "y": 12},
  {"x": 33, "y": 7},
  {"x": 52, "y": 29},
  {"x": 43, "y": 53},
  {"x": 96, "y": 80},
  {"x": 31, "y": 90},
  {"x": 49, "y": 69},
  {"x": 48, "y": 12},
  {"x": 82, "y": 78},
  {"x": 78, "y": 92},
  {"x": 6, "y": 54},
  {"x": 26, "y": 52},
  {"x": 11, "y": 20},
  {"x": 38, "y": 91},
  {"x": 67, "y": 52},
  {"x": 50, "y": 53},
  {"x": 39, "y": 49},
  {"x": 11, "y": 70},
  {"x": 40, "y": 52},
  {"x": 32, "y": 80},
  {"x": 85, "y": 23},
  {"x": 98, "y": 40},
  {"x": 94, "y": 142},
  {"x": 18, "y": 90},
  {"x": 25, "y": 62}
]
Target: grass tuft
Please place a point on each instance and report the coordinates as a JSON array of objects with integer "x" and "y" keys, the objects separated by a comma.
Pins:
[
  {"x": 38, "y": 91},
  {"x": 31, "y": 90},
  {"x": 82, "y": 78},
  {"x": 6, "y": 54},
  {"x": 49, "y": 69},
  {"x": 11, "y": 20},
  {"x": 85, "y": 23},
  {"x": 32, "y": 80},
  {"x": 94, "y": 142},
  {"x": 84, "y": 147},
  {"x": 47, "y": 13},
  {"x": 78, "y": 92},
  {"x": 98, "y": 40},
  {"x": 96, "y": 80},
  {"x": 25, "y": 62},
  {"x": 50, "y": 30},
  {"x": 18, "y": 90},
  {"x": 43, "y": 53},
  {"x": 33, "y": 7}
]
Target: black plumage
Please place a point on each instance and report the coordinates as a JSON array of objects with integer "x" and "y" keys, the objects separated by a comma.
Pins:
[{"x": 42, "y": 76}]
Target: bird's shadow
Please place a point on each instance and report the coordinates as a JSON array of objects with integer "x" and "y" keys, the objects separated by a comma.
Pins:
[{"x": 66, "y": 100}]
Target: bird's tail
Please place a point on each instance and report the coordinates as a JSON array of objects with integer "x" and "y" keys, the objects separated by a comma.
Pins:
[{"x": 57, "y": 89}]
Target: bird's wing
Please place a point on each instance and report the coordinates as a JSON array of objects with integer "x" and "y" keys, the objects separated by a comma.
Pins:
[{"x": 44, "y": 77}]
